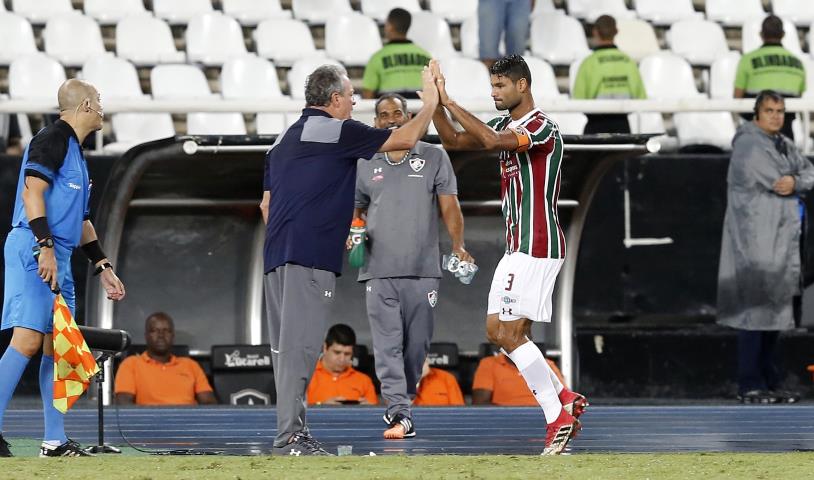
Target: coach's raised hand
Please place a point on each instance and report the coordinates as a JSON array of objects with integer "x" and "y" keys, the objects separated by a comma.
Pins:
[{"x": 440, "y": 82}]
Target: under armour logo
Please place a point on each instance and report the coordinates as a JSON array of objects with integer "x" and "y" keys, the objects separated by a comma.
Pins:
[
  {"x": 295, "y": 453},
  {"x": 329, "y": 293},
  {"x": 534, "y": 392},
  {"x": 369, "y": 289},
  {"x": 377, "y": 170},
  {"x": 507, "y": 311}
]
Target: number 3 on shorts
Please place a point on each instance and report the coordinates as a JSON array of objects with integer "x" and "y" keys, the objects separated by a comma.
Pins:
[{"x": 509, "y": 281}]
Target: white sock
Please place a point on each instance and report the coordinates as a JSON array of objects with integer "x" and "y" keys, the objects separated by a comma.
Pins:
[
  {"x": 532, "y": 365},
  {"x": 558, "y": 386}
]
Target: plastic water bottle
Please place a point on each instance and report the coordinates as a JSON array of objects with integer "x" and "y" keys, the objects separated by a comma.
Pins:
[
  {"x": 463, "y": 271},
  {"x": 358, "y": 236}
]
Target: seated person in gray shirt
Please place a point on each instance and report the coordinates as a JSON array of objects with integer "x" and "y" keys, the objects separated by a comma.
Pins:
[{"x": 401, "y": 193}]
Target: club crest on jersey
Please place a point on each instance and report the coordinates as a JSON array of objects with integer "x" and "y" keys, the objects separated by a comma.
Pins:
[
  {"x": 432, "y": 297},
  {"x": 417, "y": 164}
]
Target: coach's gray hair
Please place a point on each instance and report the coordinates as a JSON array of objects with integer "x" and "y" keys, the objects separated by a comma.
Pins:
[{"x": 322, "y": 83}]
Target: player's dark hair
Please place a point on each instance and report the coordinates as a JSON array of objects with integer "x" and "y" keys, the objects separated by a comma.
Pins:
[
  {"x": 605, "y": 27},
  {"x": 512, "y": 66},
  {"x": 400, "y": 19},
  {"x": 766, "y": 95},
  {"x": 340, "y": 334},
  {"x": 159, "y": 316},
  {"x": 391, "y": 96},
  {"x": 772, "y": 28}
]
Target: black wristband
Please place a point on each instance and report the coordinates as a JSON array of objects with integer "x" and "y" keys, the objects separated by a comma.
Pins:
[
  {"x": 40, "y": 228},
  {"x": 101, "y": 268},
  {"x": 93, "y": 250}
]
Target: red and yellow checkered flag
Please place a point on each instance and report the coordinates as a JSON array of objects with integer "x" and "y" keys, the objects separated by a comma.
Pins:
[{"x": 74, "y": 364}]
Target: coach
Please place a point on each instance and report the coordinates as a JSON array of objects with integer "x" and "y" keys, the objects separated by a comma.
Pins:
[{"x": 309, "y": 181}]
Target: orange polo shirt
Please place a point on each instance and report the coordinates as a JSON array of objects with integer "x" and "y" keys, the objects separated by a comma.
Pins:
[
  {"x": 351, "y": 384},
  {"x": 438, "y": 388},
  {"x": 153, "y": 383},
  {"x": 498, "y": 375}
]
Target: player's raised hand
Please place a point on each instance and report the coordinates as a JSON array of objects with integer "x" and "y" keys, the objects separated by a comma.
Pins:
[
  {"x": 429, "y": 92},
  {"x": 440, "y": 82}
]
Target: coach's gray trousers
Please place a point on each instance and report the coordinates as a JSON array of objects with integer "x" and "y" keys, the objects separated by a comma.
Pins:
[
  {"x": 400, "y": 311},
  {"x": 298, "y": 302}
]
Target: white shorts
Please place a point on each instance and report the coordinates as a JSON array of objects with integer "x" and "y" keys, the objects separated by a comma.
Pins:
[{"x": 522, "y": 287}]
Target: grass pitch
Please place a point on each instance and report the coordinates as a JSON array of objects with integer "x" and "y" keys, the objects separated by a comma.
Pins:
[{"x": 584, "y": 467}]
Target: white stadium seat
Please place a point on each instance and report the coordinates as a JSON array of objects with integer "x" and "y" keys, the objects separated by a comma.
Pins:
[
  {"x": 317, "y": 12},
  {"x": 455, "y": 11},
  {"x": 300, "y": 71},
  {"x": 722, "y": 75},
  {"x": 543, "y": 80},
  {"x": 215, "y": 124},
  {"x": 431, "y": 33},
  {"x": 352, "y": 38},
  {"x": 750, "y": 36},
  {"x": 132, "y": 129},
  {"x": 16, "y": 37},
  {"x": 146, "y": 40},
  {"x": 72, "y": 38},
  {"x": 39, "y": 11},
  {"x": 701, "y": 42},
  {"x": 734, "y": 13},
  {"x": 590, "y": 10},
  {"x": 252, "y": 12},
  {"x": 284, "y": 41},
  {"x": 707, "y": 128},
  {"x": 646, "y": 122},
  {"x": 636, "y": 38},
  {"x": 801, "y": 12},
  {"x": 35, "y": 77},
  {"x": 570, "y": 123},
  {"x": 252, "y": 77},
  {"x": 661, "y": 12},
  {"x": 213, "y": 38},
  {"x": 543, "y": 6},
  {"x": 466, "y": 79},
  {"x": 109, "y": 12},
  {"x": 378, "y": 9},
  {"x": 180, "y": 12},
  {"x": 115, "y": 78},
  {"x": 809, "y": 66},
  {"x": 469, "y": 39},
  {"x": 558, "y": 38}
]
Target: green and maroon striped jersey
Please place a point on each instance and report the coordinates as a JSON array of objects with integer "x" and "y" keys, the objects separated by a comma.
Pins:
[{"x": 530, "y": 187}]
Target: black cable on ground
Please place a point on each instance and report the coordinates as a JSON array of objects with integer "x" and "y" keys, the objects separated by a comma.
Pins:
[{"x": 179, "y": 451}]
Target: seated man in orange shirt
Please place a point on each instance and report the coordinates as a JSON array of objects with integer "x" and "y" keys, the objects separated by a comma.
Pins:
[
  {"x": 335, "y": 382},
  {"x": 437, "y": 387},
  {"x": 499, "y": 382},
  {"x": 157, "y": 377}
]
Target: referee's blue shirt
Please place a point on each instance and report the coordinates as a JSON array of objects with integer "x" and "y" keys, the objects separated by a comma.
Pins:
[
  {"x": 311, "y": 174},
  {"x": 55, "y": 155}
]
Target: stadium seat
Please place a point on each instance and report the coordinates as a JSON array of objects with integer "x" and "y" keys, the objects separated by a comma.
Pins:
[
  {"x": 243, "y": 374},
  {"x": 734, "y": 13},
  {"x": 352, "y": 38},
  {"x": 667, "y": 76},
  {"x": 750, "y": 36},
  {"x": 213, "y": 38},
  {"x": 558, "y": 38},
  {"x": 646, "y": 122},
  {"x": 661, "y": 13},
  {"x": 455, "y": 11},
  {"x": 35, "y": 76},
  {"x": 570, "y": 123},
  {"x": 800, "y": 12},
  {"x": 205, "y": 123},
  {"x": 72, "y": 38},
  {"x": 707, "y": 128},
  {"x": 701, "y": 42},
  {"x": 300, "y": 71},
  {"x": 252, "y": 12},
  {"x": 722, "y": 75},
  {"x": 467, "y": 79},
  {"x": 444, "y": 355},
  {"x": 317, "y": 12},
  {"x": 16, "y": 37},
  {"x": 108, "y": 12},
  {"x": 431, "y": 32},
  {"x": 543, "y": 6},
  {"x": 39, "y": 11},
  {"x": 251, "y": 77},
  {"x": 590, "y": 10},
  {"x": 115, "y": 78},
  {"x": 284, "y": 41},
  {"x": 809, "y": 66},
  {"x": 131, "y": 129},
  {"x": 378, "y": 9},
  {"x": 544, "y": 81},
  {"x": 180, "y": 12},
  {"x": 146, "y": 40},
  {"x": 636, "y": 38},
  {"x": 469, "y": 38}
]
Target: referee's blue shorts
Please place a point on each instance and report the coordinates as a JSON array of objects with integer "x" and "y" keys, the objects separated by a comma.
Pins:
[{"x": 28, "y": 301}]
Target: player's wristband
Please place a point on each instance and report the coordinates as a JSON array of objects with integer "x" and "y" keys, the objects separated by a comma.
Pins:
[
  {"x": 40, "y": 228},
  {"x": 93, "y": 250},
  {"x": 101, "y": 268}
]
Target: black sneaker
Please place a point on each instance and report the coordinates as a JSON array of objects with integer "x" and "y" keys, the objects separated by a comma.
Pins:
[
  {"x": 301, "y": 444},
  {"x": 401, "y": 426},
  {"x": 4, "y": 450},
  {"x": 757, "y": 396},
  {"x": 67, "y": 449}
]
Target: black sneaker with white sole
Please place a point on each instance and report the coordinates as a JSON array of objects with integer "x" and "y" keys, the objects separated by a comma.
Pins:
[
  {"x": 67, "y": 449},
  {"x": 301, "y": 444},
  {"x": 4, "y": 448}
]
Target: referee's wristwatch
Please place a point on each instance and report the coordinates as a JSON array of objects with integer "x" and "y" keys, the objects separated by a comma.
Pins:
[{"x": 47, "y": 242}]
